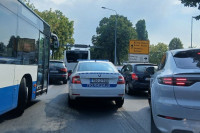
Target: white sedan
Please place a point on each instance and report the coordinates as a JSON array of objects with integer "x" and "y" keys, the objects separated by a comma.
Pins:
[{"x": 96, "y": 79}]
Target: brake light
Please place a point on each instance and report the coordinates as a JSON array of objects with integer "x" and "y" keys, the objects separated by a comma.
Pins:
[
  {"x": 167, "y": 81},
  {"x": 121, "y": 80},
  {"x": 134, "y": 76},
  {"x": 76, "y": 80},
  {"x": 175, "y": 81},
  {"x": 198, "y": 53},
  {"x": 63, "y": 69},
  {"x": 181, "y": 81}
]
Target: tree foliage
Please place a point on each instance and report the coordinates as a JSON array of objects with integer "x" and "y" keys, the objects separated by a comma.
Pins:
[
  {"x": 156, "y": 52},
  {"x": 175, "y": 43},
  {"x": 105, "y": 38},
  {"x": 192, "y": 3},
  {"x": 141, "y": 30},
  {"x": 60, "y": 25}
]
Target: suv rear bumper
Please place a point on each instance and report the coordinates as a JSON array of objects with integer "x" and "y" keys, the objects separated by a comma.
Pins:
[{"x": 138, "y": 86}]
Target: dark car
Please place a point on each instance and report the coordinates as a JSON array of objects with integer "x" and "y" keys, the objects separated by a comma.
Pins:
[
  {"x": 58, "y": 71},
  {"x": 136, "y": 77}
]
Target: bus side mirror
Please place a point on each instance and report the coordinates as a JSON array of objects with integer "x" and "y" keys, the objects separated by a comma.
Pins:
[{"x": 55, "y": 42}]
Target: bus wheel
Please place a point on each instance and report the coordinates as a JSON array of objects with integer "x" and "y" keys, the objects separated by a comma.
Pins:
[{"x": 22, "y": 98}]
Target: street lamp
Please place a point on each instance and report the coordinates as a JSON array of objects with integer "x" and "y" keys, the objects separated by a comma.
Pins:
[
  {"x": 191, "y": 29},
  {"x": 115, "y": 61}
]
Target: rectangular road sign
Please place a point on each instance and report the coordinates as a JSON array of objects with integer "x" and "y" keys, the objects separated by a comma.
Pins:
[
  {"x": 138, "y": 47},
  {"x": 138, "y": 58}
]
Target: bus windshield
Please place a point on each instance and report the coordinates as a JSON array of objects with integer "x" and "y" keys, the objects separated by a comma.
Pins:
[{"x": 74, "y": 56}]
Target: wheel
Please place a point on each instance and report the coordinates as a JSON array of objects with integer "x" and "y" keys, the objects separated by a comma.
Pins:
[
  {"x": 149, "y": 97},
  {"x": 154, "y": 129},
  {"x": 127, "y": 89},
  {"x": 71, "y": 102},
  {"x": 119, "y": 102},
  {"x": 22, "y": 98},
  {"x": 65, "y": 81}
]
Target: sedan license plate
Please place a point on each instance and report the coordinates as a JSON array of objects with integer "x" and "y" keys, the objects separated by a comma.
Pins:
[
  {"x": 99, "y": 80},
  {"x": 54, "y": 71}
]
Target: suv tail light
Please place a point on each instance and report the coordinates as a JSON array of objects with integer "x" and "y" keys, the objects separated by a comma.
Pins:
[
  {"x": 134, "y": 76},
  {"x": 63, "y": 69},
  {"x": 76, "y": 80},
  {"x": 121, "y": 80},
  {"x": 177, "y": 81}
]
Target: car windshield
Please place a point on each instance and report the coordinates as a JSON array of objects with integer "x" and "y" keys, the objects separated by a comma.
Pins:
[
  {"x": 96, "y": 66},
  {"x": 188, "y": 59}
]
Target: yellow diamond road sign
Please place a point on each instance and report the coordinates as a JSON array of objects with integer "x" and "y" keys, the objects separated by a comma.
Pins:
[{"x": 138, "y": 47}]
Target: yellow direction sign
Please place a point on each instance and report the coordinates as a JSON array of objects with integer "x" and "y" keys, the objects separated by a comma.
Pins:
[{"x": 138, "y": 47}]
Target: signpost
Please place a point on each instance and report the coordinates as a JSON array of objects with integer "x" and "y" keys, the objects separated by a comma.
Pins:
[{"x": 138, "y": 51}]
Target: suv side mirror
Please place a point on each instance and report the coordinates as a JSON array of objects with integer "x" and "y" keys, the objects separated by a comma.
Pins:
[
  {"x": 150, "y": 70},
  {"x": 55, "y": 42}
]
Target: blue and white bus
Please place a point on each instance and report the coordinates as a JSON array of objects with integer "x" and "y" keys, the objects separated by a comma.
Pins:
[{"x": 24, "y": 55}]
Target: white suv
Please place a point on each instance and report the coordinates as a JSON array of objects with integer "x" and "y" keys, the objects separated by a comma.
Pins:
[{"x": 175, "y": 92}]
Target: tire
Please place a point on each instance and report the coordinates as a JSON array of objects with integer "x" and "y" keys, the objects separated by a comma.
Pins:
[
  {"x": 149, "y": 98},
  {"x": 71, "y": 102},
  {"x": 127, "y": 89},
  {"x": 119, "y": 102},
  {"x": 22, "y": 98},
  {"x": 65, "y": 81}
]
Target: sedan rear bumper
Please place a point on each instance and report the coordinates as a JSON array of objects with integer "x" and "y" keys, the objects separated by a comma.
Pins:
[{"x": 97, "y": 93}]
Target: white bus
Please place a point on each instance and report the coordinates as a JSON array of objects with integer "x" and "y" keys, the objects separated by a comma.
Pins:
[
  {"x": 24, "y": 55},
  {"x": 71, "y": 57}
]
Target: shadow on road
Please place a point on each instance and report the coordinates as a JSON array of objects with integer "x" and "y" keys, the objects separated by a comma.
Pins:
[
  {"x": 11, "y": 114},
  {"x": 137, "y": 95}
]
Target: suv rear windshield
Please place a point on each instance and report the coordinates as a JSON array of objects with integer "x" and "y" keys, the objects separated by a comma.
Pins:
[
  {"x": 56, "y": 64},
  {"x": 142, "y": 68},
  {"x": 189, "y": 59},
  {"x": 96, "y": 66}
]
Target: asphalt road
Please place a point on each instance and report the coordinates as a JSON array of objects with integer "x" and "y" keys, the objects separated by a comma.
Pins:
[{"x": 51, "y": 113}]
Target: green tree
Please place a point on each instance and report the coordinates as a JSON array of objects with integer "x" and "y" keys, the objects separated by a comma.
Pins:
[
  {"x": 156, "y": 52},
  {"x": 60, "y": 25},
  {"x": 105, "y": 38},
  {"x": 141, "y": 30},
  {"x": 175, "y": 43},
  {"x": 192, "y": 3}
]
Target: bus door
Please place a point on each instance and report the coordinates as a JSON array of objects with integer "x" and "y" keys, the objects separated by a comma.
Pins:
[
  {"x": 46, "y": 63},
  {"x": 40, "y": 76}
]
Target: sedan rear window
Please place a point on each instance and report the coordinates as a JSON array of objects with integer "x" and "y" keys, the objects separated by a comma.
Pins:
[
  {"x": 96, "y": 66},
  {"x": 142, "y": 68},
  {"x": 189, "y": 59}
]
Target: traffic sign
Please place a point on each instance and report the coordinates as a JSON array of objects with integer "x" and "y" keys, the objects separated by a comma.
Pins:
[
  {"x": 138, "y": 58},
  {"x": 138, "y": 47}
]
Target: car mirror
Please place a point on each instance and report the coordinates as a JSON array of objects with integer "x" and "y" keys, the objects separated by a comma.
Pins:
[{"x": 150, "y": 70}]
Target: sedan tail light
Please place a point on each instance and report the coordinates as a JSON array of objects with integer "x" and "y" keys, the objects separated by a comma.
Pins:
[
  {"x": 76, "y": 80},
  {"x": 63, "y": 69},
  {"x": 176, "y": 81},
  {"x": 121, "y": 80},
  {"x": 134, "y": 76}
]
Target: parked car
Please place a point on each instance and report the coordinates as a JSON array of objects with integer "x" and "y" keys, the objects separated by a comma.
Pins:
[
  {"x": 96, "y": 79},
  {"x": 57, "y": 71},
  {"x": 136, "y": 77},
  {"x": 175, "y": 92}
]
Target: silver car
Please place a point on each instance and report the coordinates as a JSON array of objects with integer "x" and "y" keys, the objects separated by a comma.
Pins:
[{"x": 175, "y": 92}]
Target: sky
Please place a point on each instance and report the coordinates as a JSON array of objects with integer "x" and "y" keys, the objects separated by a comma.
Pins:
[{"x": 165, "y": 19}]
